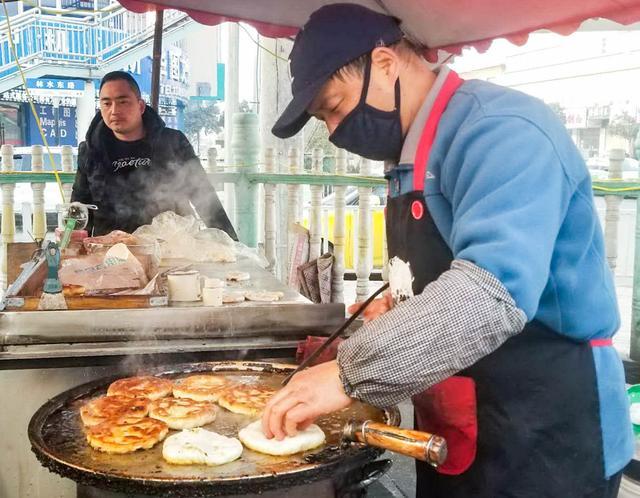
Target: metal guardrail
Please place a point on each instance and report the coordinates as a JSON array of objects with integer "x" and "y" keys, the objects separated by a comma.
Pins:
[
  {"x": 247, "y": 175},
  {"x": 618, "y": 188}
]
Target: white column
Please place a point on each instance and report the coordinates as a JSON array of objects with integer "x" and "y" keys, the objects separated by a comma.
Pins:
[
  {"x": 85, "y": 109},
  {"x": 66, "y": 159},
  {"x": 364, "y": 235},
  {"x": 8, "y": 218},
  {"x": 315, "y": 216},
  {"x": 612, "y": 213},
  {"x": 337, "y": 286},
  {"x": 270, "y": 235},
  {"x": 39, "y": 216}
]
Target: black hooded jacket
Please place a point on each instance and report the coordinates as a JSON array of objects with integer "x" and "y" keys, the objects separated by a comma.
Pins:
[{"x": 130, "y": 197}]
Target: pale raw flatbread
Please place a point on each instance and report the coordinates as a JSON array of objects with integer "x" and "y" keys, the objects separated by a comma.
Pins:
[
  {"x": 182, "y": 413},
  {"x": 238, "y": 276},
  {"x": 253, "y": 438},
  {"x": 230, "y": 297},
  {"x": 200, "y": 446},
  {"x": 264, "y": 296}
]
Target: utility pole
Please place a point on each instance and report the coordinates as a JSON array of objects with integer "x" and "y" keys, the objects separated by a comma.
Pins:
[{"x": 230, "y": 107}]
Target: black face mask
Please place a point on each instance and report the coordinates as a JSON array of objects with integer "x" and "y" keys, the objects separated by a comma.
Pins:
[{"x": 370, "y": 132}]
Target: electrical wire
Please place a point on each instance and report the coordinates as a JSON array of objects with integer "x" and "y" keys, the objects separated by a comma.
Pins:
[
  {"x": 31, "y": 104},
  {"x": 260, "y": 45}
]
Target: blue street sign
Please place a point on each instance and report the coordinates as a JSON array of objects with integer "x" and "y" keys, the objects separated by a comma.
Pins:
[{"x": 55, "y": 87}]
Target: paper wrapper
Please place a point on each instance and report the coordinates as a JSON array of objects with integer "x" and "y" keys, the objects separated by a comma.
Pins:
[{"x": 315, "y": 279}]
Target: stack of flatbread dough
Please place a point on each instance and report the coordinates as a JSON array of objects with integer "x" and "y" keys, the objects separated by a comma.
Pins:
[
  {"x": 138, "y": 412},
  {"x": 239, "y": 294}
]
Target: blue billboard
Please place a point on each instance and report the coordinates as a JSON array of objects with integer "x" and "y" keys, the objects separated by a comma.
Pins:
[{"x": 58, "y": 125}]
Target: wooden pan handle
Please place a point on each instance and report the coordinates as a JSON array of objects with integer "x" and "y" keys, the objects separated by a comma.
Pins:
[{"x": 420, "y": 445}]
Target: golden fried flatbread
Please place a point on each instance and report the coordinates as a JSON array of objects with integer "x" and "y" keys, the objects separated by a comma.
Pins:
[
  {"x": 117, "y": 409},
  {"x": 141, "y": 387},
  {"x": 201, "y": 387},
  {"x": 182, "y": 413},
  {"x": 246, "y": 399},
  {"x": 127, "y": 437}
]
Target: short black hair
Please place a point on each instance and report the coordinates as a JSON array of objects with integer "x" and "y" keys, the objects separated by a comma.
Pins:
[{"x": 124, "y": 76}]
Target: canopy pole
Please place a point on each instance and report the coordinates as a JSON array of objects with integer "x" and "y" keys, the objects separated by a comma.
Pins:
[{"x": 157, "y": 58}]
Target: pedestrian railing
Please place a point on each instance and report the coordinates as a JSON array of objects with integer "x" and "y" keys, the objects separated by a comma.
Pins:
[
  {"x": 270, "y": 197},
  {"x": 86, "y": 42}
]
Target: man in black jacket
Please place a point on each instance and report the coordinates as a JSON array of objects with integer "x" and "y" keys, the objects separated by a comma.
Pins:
[{"x": 133, "y": 167}]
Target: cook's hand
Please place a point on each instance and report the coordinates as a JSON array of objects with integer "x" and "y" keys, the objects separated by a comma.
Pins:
[
  {"x": 309, "y": 394},
  {"x": 377, "y": 307}
]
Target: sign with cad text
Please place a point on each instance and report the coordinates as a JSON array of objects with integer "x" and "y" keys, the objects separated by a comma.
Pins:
[{"x": 58, "y": 125}]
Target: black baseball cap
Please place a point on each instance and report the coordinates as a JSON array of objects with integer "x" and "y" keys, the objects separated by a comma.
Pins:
[{"x": 334, "y": 36}]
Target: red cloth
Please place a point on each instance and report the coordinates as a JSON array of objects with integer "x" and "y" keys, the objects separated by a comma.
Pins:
[
  {"x": 438, "y": 24},
  {"x": 307, "y": 347},
  {"x": 448, "y": 409}
]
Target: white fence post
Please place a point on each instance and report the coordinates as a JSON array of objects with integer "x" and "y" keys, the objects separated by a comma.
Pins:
[
  {"x": 315, "y": 216},
  {"x": 337, "y": 286},
  {"x": 66, "y": 160},
  {"x": 8, "y": 218},
  {"x": 212, "y": 160},
  {"x": 385, "y": 254},
  {"x": 364, "y": 235},
  {"x": 612, "y": 215},
  {"x": 293, "y": 201},
  {"x": 39, "y": 216},
  {"x": 270, "y": 211}
]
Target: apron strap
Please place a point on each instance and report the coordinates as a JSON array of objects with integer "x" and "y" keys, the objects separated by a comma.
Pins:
[
  {"x": 600, "y": 343},
  {"x": 449, "y": 87}
]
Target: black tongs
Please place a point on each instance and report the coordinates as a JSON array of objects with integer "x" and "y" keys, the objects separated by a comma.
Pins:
[{"x": 336, "y": 334}]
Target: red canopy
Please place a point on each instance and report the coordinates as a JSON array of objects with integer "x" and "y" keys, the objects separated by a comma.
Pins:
[{"x": 439, "y": 24}]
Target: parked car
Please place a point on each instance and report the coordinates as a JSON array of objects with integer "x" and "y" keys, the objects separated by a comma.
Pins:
[
  {"x": 352, "y": 197},
  {"x": 599, "y": 168}
]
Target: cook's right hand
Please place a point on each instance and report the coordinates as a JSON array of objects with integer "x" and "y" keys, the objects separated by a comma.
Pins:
[{"x": 377, "y": 307}]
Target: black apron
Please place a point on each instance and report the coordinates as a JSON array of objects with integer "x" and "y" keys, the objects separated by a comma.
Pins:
[{"x": 524, "y": 420}]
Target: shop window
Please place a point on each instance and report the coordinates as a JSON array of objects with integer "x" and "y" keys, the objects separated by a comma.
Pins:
[{"x": 11, "y": 124}]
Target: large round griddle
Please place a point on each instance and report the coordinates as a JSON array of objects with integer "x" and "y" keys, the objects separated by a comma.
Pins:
[{"x": 57, "y": 439}]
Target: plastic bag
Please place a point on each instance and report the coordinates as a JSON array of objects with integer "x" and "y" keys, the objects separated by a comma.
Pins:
[
  {"x": 101, "y": 274},
  {"x": 183, "y": 237}
]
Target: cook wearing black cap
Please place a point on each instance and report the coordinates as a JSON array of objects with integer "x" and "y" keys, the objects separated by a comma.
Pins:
[{"x": 505, "y": 347}]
